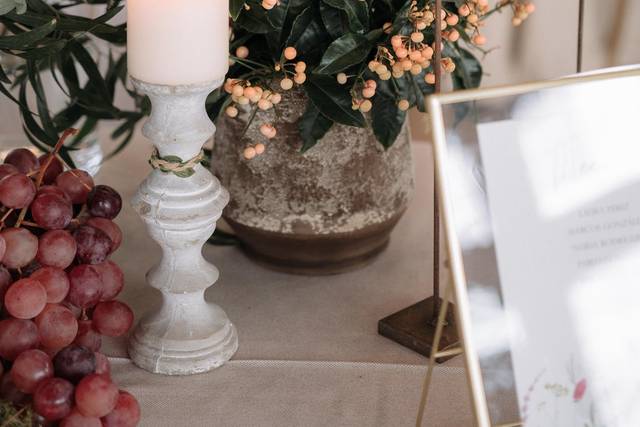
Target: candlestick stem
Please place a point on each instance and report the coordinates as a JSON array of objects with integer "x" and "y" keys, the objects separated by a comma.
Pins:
[{"x": 186, "y": 335}]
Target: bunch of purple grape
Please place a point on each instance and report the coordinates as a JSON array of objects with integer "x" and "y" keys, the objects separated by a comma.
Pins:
[{"x": 57, "y": 293}]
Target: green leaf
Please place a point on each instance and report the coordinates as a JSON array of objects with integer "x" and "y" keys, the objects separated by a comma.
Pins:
[
  {"x": 255, "y": 20},
  {"x": 357, "y": 13},
  {"x": 235, "y": 7},
  {"x": 313, "y": 41},
  {"x": 333, "y": 101},
  {"x": 300, "y": 24},
  {"x": 24, "y": 40},
  {"x": 344, "y": 52},
  {"x": 468, "y": 69},
  {"x": 386, "y": 120},
  {"x": 89, "y": 66},
  {"x": 313, "y": 125},
  {"x": 7, "y": 6},
  {"x": 334, "y": 20}
]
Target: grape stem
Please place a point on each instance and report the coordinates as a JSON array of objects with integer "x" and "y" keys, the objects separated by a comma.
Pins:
[
  {"x": 32, "y": 224},
  {"x": 43, "y": 169},
  {"x": 67, "y": 133}
]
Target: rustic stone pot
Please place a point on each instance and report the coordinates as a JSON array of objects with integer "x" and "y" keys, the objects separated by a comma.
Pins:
[{"x": 327, "y": 211}]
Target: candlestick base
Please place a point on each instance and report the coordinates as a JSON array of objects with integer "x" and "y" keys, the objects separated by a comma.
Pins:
[
  {"x": 171, "y": 342},
  {"x": 187, "y": 335}
]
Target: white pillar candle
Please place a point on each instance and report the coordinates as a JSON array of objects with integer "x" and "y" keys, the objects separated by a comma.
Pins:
[{"x": 177, "y": 42}]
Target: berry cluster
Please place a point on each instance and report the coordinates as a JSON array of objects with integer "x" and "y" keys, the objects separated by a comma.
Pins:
[
  {"x": 57, "y": 292},
  {"x": 244, "y": 93}
]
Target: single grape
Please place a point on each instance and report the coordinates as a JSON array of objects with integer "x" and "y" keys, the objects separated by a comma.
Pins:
[
  {"x": 29, "y": 368},
  {"x": 53, "y": 398},
  {"x": 103, "y": 367},
  {"x": 85, "y": 286},
  {"x": 16, "y": 336},
  {"x": 25, "y": 298},
  {"x": 51, "y": 212},
  {"x": 5, "y": 281},
  {"x": 3, "y": 247},
  {"x": 104, "y": 202},
  {"x": 77, "y": 184},
  {"x": 17, "y": 191},
  {"x": 74, "y": 362},
  {"x": 6, "y": 170},
  {"x": 76, "y": 419},
  {"x": 125, "y": 414},
  {"x": 10, "y": 393},
  {"x": 87, "y": 337},
  {"x": 23, "y": 159},
  {"x": 56, "y": 248},
  {"x": 93, "y": 245},
  {"x": 55, "y": 282},
  {"x": 112, "y": 279},
  {"x": 57, "y": 325},
  {"x": 112, "y": 318},
  {"x": 54, "y": 169},
  {"x": 109, "y": 227},
  {"x": 22, "y": 247},
  {"x": 52, "y": 189},
  {"x": 96, "y": 395}
]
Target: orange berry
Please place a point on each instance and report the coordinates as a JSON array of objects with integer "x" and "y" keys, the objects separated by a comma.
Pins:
[
  {"x": 264, "y": 104},
  {"x": 427, "y": 52},
  {"x": 454, "y": 35},
  {"x": 259, "y": 148},
  {"x": 300, "y": 78},
  {"x": 301, "y": 67},
  {"x": 249, "y": 153},
  {"x": 368, "y": 92},
  {"x": 464, "y": 10},
  {"x": 417, "y": 37},
  {"x": 530, "y": 8},
  {"x": 453, "y": 19},
  {"x": 237, "y": 90},
  {"x": 275, "y": 98},
  {"x": 371, "y": 84},
  {"x": 249, "y": 92},
  {"x": 286, "y": 83},
  {"x": 403, "y": 105},
  {"x": 415, "y": 56},
  {"x": 231, "y": 111},
  {"x": 430, "y": 78},
  {"x": 479, "y": 39},
  {"x": 402, "y": 53},
  {"x": 473, "y": 18},
  {"x": 242, "y": 52},
  {"x": 396, "y": 41},
  {"x": 342, "y": 78},
  {"x": 290, "y": 53},
  {"x": 366, "y": 106},
  {"x": 416, "y": 69},
  {"x": 265, "y": 129},
  {"x": 269, "y": 4}
]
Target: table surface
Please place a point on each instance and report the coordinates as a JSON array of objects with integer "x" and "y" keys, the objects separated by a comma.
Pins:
[{"x": 309, "y": 350}]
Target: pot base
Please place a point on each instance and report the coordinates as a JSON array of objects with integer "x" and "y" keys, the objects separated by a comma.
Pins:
[{"x": 314, "y": 254}]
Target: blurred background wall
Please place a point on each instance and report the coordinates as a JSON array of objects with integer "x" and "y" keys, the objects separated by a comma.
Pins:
[{"x": 543, "y": 47}]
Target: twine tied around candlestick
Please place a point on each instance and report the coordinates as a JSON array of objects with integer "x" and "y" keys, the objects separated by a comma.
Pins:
[{"x": 175, "y": 165}]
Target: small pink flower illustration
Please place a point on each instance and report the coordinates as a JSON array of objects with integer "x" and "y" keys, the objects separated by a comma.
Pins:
[{"x": 579, "y": 391}]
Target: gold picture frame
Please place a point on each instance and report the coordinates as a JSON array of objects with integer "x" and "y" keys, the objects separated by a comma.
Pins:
[{"x": 456, "y": 290}]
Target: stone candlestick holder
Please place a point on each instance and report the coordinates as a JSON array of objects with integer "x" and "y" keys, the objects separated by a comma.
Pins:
[{"x": 180, "y": 203}]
